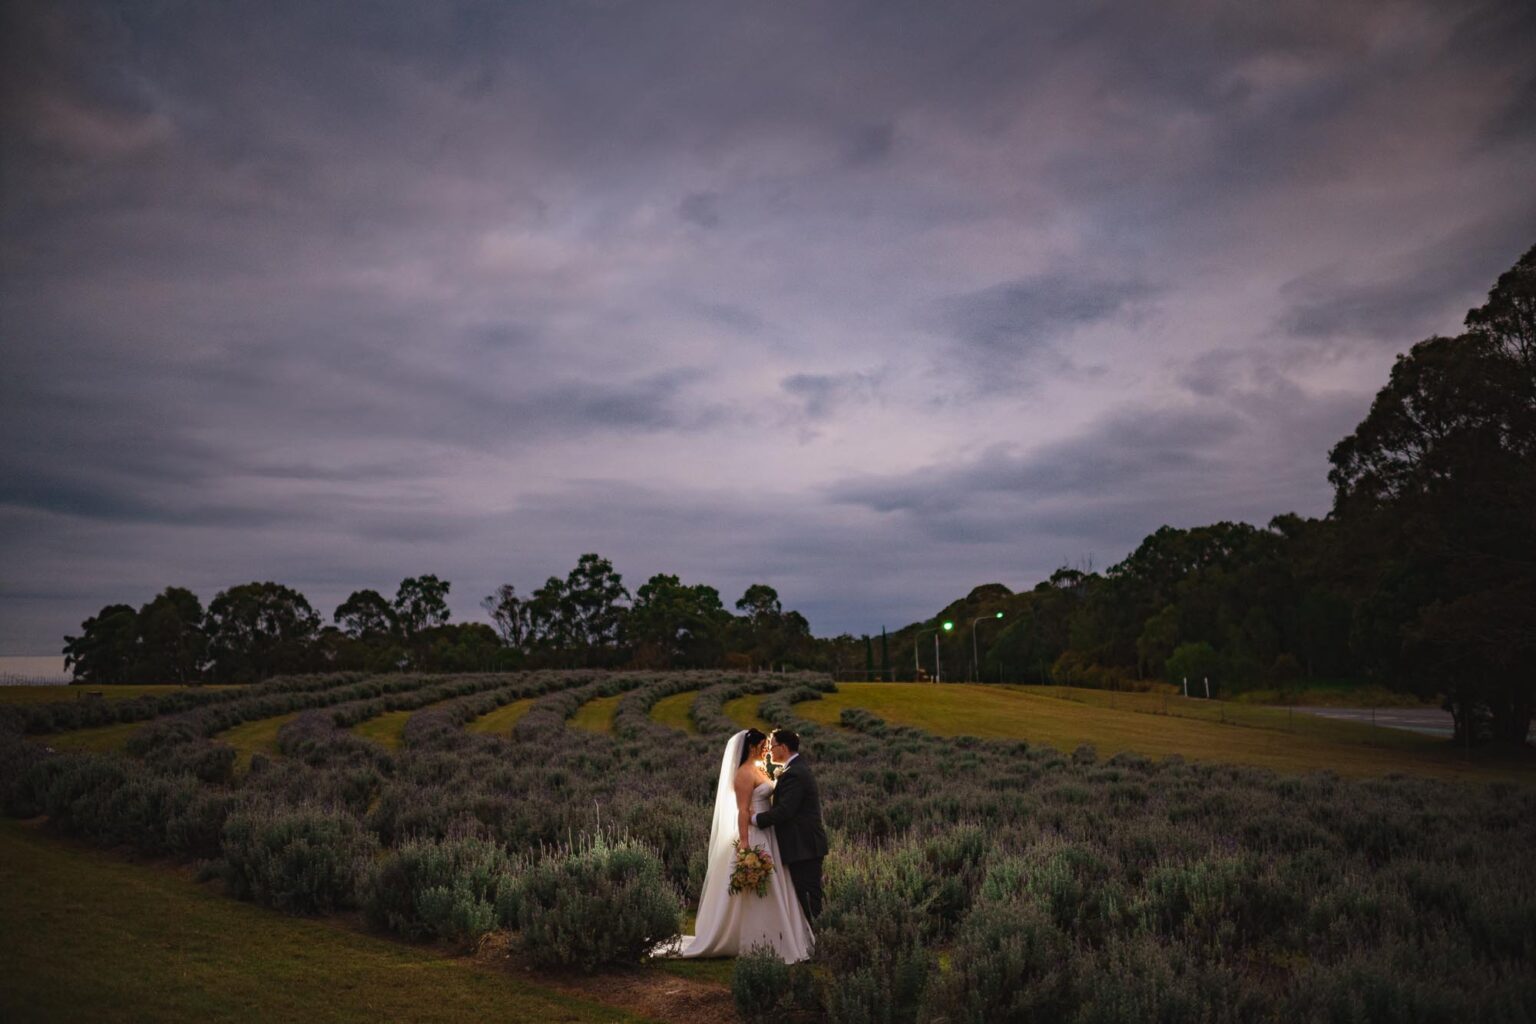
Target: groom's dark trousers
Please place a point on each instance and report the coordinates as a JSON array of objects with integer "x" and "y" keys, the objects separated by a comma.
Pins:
[
  {"x": 796, "y": 820},
  {"x": 806, "y": 875}
]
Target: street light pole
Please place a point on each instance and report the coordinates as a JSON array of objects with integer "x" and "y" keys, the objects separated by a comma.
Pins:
[
  {"x": 976, "y": 658},
  {"x": 917, "y": 668}
]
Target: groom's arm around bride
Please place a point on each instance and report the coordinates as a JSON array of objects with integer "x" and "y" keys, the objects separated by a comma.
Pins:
[{"x": 795, "y": 818}]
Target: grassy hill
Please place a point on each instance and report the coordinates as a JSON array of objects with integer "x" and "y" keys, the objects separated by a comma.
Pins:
[
  {"x": 91, "y": 937},
  {"x": 1157, "y": 726}
]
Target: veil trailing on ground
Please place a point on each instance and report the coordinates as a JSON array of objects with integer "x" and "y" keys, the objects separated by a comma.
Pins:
[{"x": 714, "y": 901}]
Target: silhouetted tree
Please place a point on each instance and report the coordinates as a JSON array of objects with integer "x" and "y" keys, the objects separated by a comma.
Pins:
[
  {"x": 107, "y": 648},
  {"x": 1435, "y": 488},
  {"x": 172, "y": 646},
  {"x": 510, "y": 616},
  {"x": 760, "y": 603},
  {"x": 257, "y": 630},
  {"x": 365, "y": 613},
  {"x": 672, "y": 624},
  {"x": 594, "y": 593},
  {"x": 420, "y": 602},
  {"x": 549, "y": 616}
]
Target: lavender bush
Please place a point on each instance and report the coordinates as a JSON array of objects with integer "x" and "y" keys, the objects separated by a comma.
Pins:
[
  {"x": 301, "y": 859},
  {"x": 431, "y": 889},
  {"x": 599, "y": 901},
  {"x": 970, "y": 880}
]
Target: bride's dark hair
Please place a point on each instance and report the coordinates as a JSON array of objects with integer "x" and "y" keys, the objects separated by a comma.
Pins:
[{"x": 749, "y": 744}]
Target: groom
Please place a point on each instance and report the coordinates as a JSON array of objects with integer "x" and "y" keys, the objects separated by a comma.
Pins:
[{"x": 795, "y": 818}]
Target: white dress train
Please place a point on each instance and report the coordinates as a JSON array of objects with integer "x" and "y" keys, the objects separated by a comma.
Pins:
[{"x": 732, "y": 925}]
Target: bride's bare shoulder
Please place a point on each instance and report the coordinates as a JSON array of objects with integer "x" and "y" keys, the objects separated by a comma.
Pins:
[{"x": 750, "y": 772}]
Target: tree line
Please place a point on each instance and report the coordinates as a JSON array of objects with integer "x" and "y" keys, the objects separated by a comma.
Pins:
[
  {"x": 587, "y": 619},
  {"x": 1422, "y": 577}
]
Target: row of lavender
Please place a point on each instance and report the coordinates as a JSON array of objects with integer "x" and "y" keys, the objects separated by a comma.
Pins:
[
  {"x": 63, "y": 715},
  {"x": 447, "y": 837},
  {"x": 1060, "y": 887},
  {"x": 970, "y": 880}
]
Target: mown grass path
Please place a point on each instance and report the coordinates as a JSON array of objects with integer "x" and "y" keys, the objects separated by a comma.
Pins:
[
  {"x": 744, "y": 711},
  {"x": 384, "y": 729},
  {"x": 99, "y": 738},
  {"x": 501, "y": 721},
  {"x": 51, "y": 694},
  {"x": 960, "y": 709},
  {"x": 88, "y": 937},
  {"x": 596, "y": 715},
  {"x": 673, "y": 711},
  {"x": 258, "y": 736}
]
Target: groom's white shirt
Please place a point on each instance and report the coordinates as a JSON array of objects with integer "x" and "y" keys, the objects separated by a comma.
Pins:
[{"x": 787, "y": 760}]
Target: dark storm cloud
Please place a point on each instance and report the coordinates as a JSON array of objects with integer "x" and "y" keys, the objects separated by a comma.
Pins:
[
  {"x": 820, "y": 394},
  {"x": 872, "y": 143},
  {"x": 1124, "y": 453},
  {"x": 332, "y": 293},
  {"x": 1421, "y": 296},
  {"x": 1025, "y": 316},
  {"x": 1102, "y": 489},
  {"x": 700, "y": 208}
]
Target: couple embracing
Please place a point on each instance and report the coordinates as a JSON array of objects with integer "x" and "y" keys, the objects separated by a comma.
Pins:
[{"x": 778, "y": 814}]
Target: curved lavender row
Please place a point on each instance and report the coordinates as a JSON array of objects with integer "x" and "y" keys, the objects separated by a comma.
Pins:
[
  {"x": 1124, "y": 885},
  {"x": 316, "y": 745},
  {"x": 61, "y": 716},
  {"x": 707, "y": 710},
  {"x": 207, "y": 721},
  {"x": 441, "y": 726}
]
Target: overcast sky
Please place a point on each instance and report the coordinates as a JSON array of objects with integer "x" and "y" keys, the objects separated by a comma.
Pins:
[{"x": 873, "y": 302}]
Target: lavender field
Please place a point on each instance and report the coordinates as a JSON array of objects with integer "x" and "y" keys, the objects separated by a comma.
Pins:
[{"x": 969, "y": 880}]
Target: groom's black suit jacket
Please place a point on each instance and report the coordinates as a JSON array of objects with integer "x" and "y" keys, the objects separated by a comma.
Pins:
[{"x": 795, "y": 816}]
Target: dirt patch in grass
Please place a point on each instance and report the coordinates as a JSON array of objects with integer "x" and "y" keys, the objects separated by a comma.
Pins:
[{"x": 654, "y": 991}]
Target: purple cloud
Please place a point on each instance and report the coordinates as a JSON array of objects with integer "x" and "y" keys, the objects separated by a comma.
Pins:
[{"x": 872, "y": 303}]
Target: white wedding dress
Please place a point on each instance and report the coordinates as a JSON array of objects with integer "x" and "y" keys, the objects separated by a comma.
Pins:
[{"x": 731, "y": 925}]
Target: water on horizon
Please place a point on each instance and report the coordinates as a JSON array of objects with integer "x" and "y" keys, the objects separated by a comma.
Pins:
[{"x": 42, "y": 670}]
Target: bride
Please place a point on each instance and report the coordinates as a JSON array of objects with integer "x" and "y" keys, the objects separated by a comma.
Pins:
[{"x": 731, "y": 925}]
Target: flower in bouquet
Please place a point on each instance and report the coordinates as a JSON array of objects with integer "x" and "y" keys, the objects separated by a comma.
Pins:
[{"x": 753, "y": 868}]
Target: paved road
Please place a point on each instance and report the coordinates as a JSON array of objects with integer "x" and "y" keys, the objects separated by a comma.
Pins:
[{"x": 1431, "y": 721}]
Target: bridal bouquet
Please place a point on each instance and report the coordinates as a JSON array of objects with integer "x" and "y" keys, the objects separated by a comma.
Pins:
[{"x": 753, "y": 866}]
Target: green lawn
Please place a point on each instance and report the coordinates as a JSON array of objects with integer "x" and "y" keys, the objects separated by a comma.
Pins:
[
  {"x": 97, "y": 737},
  {"x": 1338, "y": 693},
  {"x": 88, "y": 937},
  {"x": 501, "y": 721},
  {"x": 255, "y": 737},
  {"x": 673, "y": 711},
  {"x": 743, "y": 711},
  {"x": 1224, "y": 712},
  {"x": 385, "y": 729},
  {"x": 956, "y": 709},
  {"x": 596, "y": 715},
  {"x": 47, "y": 694}
]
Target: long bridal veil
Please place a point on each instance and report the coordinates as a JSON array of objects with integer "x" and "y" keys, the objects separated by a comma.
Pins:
[{"x": 714, "y": 901}]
